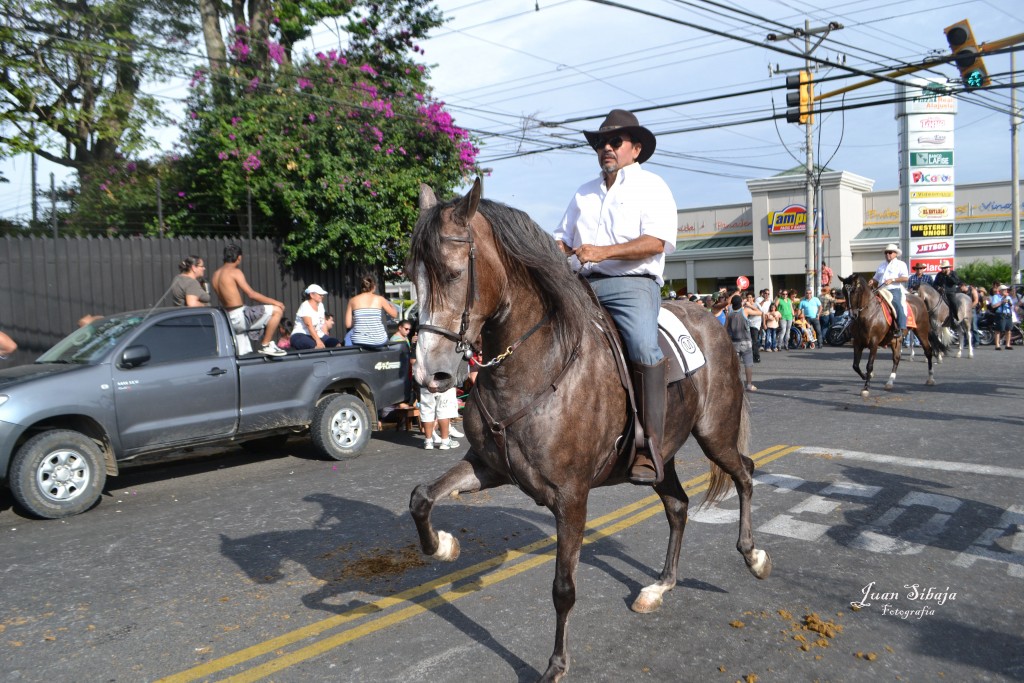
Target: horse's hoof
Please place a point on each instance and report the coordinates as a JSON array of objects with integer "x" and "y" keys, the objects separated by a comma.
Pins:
[
  {"x": 959, "y": 354},
  {"x": 864, "y": 393},
  {"x": 930, "y": 382},
  {"x": 888, "y": 387},
  {"x": 762, "y": 564},
  {"x": 650, "y": 599},
  {"x": 447, "y": 547}
]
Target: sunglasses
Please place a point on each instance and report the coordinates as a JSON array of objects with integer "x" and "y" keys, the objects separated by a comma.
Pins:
[{"x": 615, "y": 142}]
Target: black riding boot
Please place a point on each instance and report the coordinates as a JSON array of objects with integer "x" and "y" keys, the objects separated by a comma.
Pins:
[{"x": 650, "y": 390}]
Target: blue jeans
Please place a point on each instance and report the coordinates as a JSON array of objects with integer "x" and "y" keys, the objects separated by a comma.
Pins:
[
  {"x": 901, "y": 313},
  {"x": 769, "y": 339},
  {"x": 783, "y": 334},
  {"x": 633, "y": 303}
]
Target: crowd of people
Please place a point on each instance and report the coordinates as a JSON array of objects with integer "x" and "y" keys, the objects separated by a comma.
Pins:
[{"x": 782, "y": 322}]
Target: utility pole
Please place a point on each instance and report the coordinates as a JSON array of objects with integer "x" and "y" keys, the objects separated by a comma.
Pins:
[
  {"x": 1014, "y": 175},
  {"x": 811, "y": 275}
]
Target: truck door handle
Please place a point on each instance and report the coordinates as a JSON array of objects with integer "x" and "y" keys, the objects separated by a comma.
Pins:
[{"x": 217, "y": 371}]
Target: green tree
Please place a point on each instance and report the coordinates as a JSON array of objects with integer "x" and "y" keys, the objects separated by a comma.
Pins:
[
  {"x": 325, "y": 152},
  {"x": 332, "y": 154},
  {"x": 72, "y": 75},
  {"x": 983, "y": 274}
]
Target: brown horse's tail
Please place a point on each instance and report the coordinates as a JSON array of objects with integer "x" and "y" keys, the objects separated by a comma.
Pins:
[{"x": 721, "y": 482}]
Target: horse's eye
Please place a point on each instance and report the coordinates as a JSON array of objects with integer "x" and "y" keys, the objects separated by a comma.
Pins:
[{"x": 454, "y": 275}]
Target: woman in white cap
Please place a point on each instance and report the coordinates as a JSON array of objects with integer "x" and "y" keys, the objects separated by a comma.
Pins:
[
  {"x": 309, "y": 332},
  {"x": 891, "y": 275}
]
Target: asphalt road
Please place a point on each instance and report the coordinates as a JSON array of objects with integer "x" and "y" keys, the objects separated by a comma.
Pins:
[{"x": 286, "y": 567}]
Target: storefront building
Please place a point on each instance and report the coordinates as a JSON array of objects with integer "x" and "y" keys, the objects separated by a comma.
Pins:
[{"x": 765, "y": 240}]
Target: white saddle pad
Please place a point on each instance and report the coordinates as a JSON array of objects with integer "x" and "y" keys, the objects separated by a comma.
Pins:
[{"x": 679, "y": 346}]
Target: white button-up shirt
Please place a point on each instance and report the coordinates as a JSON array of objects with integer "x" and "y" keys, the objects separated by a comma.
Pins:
[
  {"x": 638, "y": 203},
  {"x": 891, "y": 270}
]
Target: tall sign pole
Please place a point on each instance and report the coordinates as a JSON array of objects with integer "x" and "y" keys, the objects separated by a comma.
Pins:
[{"x": 927, "y": 182}]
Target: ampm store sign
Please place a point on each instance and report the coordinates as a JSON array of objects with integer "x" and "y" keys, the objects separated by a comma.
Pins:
[{"x": 792, "y": 219}]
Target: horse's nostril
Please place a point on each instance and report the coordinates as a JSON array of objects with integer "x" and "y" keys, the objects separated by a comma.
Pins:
[{"x": 440, "y": 377}]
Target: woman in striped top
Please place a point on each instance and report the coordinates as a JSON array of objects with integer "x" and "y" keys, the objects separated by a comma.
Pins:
[{"x": 363, "y": 315}]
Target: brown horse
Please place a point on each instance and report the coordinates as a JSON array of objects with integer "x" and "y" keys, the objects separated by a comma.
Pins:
[
  {"x": 869, "y": 328},
  {"x": 548, "y": 412}
]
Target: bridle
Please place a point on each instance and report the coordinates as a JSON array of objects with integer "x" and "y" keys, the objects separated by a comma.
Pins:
[{"x": 463, "y": 344}]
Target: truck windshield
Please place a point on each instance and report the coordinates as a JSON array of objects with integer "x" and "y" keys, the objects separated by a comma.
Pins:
[{"x": 90, "y": 343}]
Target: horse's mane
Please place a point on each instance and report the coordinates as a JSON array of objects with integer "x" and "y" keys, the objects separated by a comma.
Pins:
[{"x": 530, "y": 257}]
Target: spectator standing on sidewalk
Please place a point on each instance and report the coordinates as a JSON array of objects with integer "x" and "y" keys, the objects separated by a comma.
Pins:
[
  {"x": 739, "y": 331},
  {"x": 785, "y": 308},
  {"x": 827, "y": 314},
  {"x": 755, "y": 319},
  {"x": 811, "y": 307}
]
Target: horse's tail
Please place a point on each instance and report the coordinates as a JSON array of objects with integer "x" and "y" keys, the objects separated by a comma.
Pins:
[
  {"x": 720, "y": 480},
  {"x": 940, "y": 336}
]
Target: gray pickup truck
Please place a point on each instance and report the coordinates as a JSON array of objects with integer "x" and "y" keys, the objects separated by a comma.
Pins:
[{"x": 168, "y": 379}]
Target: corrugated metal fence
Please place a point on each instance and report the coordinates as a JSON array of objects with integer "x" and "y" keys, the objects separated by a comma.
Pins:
[{"x": 47, "y": 284}]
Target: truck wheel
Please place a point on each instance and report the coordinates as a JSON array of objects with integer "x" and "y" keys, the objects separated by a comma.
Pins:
[
  {"x": 57, "y": 474},
  {"x": 341, "y": 426}
]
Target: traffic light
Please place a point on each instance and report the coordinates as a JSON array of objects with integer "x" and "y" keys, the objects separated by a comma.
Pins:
[
  {"x": 967, "y": 55},
  {"x": 800, "y": 98}
]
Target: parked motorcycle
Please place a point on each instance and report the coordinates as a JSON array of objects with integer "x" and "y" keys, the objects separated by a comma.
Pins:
[{"x": 839, "y": 332}]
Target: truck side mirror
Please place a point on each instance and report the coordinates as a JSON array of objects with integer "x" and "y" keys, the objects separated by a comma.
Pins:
[{"x": 135, "y": 356}]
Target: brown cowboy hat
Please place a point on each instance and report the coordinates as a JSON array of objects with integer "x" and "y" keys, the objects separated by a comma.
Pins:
[{"x": 620, "y": 120}]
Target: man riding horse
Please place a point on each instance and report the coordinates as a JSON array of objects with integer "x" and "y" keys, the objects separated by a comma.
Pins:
[
  {"x": 891, "y": 275},
  {"x": 619, "y": 227},
  {"x": 947, "y": 283}
]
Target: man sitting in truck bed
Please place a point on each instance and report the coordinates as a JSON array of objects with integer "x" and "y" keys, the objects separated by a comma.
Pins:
[{"x": 229, "y": 283}]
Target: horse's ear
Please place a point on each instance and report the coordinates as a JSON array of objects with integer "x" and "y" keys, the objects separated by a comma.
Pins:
[
  {"x": 427, "y": 198},
  {"x": 467, "y": 206}
]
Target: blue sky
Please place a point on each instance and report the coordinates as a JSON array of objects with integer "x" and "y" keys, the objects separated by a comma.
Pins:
[
  {"x": 520, "y": 73},
  {"x": 502, "y": 66}
]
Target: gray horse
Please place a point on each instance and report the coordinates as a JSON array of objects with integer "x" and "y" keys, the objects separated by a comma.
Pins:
[{"x": 959, "y": 321}]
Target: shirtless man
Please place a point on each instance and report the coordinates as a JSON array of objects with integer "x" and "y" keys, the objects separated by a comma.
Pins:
[{"x": 229, "y": 283}]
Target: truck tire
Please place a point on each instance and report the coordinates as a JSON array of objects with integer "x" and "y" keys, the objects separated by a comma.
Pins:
[
  {"x": 57, "y": 474},
  {"x": 341, "y": 426}
]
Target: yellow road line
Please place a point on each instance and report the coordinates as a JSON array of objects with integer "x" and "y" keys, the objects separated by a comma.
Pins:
[{"x": 652, "y": 504}]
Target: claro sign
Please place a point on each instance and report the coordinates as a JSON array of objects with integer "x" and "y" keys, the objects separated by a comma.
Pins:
[{"x": 791, "y": 219}]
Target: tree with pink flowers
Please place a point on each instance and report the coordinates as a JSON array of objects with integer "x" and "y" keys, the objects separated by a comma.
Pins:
[{"x": 331, "y": 148}]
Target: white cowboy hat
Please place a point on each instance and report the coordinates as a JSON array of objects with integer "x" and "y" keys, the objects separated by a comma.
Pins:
[
  {"x": 894, "y": 247},
  {"x": 944, "y": 263}
]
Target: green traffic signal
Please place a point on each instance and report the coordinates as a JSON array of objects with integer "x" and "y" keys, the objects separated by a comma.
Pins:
[{"x": 975, "y": 79}]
